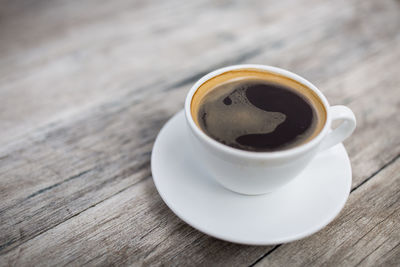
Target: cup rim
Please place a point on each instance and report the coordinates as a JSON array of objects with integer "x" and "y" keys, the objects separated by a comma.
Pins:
[{"x": 253, "y": 154}]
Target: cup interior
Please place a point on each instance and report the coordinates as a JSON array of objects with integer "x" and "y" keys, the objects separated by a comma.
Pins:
[{"x": 208, "y": 84}]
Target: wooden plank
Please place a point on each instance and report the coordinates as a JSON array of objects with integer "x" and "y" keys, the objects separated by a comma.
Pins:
[
  {"x": 126, "y": 101},
  {"x": 136, "y": 226},
  {"x": 84, "y": 153},
  {"x": 65, "y": 65},
  {"x": 133, "y": 227},
  {"x": 50, "y": 208},
  {"x": 70, "y": 168},
  {"x": 92, "y": 53},
  {"x": 367, "y": 232}
]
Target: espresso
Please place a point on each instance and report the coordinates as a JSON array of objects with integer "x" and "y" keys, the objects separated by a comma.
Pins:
[{"x": 258, "y": 115}]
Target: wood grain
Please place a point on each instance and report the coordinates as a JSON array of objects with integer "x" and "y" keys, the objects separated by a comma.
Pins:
[
  {"x": 83, "y": 98},
  {"x": 154, "y": 228},
  {"x": 367, "y": 232},
  {"x": 105, "y": 53},
  {"x": 133, "y": 226}
]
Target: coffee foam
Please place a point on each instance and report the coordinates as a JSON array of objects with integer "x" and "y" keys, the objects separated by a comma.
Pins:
[
  {"x": 274, "y": 118},
  {"x": 240, "y": 118}
]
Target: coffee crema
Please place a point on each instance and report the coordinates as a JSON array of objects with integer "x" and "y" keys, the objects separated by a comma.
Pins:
[{"x": 257, "y": 110}]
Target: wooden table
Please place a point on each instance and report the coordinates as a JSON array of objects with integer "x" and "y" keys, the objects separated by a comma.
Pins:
[{"x": 85, "y": 86}]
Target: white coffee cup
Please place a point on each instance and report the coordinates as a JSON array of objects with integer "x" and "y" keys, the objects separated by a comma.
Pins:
[{"x": 254, "y": 173}]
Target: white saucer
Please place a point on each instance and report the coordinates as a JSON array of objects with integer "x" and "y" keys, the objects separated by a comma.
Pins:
[{"x": 297, "y": 210}]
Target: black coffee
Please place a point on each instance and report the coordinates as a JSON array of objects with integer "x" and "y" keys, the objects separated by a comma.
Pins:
[{"x": 257, "y": 115}]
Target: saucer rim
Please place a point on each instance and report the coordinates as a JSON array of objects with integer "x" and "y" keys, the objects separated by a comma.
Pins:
[{"x": 273, "y": 241}]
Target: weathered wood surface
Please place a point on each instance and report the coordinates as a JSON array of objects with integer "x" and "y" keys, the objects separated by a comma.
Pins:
[
  {"x": 85, "y": 88},
  {"x": 367, "y": 231}
]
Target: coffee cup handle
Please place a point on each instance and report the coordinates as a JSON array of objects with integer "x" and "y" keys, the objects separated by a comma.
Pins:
[{"x": 345, "y": 128}]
